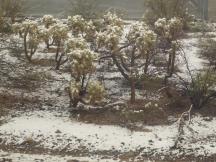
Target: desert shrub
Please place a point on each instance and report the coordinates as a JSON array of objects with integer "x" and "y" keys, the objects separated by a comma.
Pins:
[
  {"x": 208, "y": 50},
  {"x": 200, "y": 88},
  {"x": 12, "y": 8},
  {"x": 87, "y": 8},
  {"x": 198, "y": 26},
  {"x": 156, "y": 9}
]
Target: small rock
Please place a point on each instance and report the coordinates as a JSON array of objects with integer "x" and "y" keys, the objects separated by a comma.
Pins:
[{"x": 58, "y": 131}]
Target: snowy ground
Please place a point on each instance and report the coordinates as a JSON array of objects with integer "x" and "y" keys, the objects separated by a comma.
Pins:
[
  {"x": 51, "y": 132},
  {"x": 17, "y": 157}
]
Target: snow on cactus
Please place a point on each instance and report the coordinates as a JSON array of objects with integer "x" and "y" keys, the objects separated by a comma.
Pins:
[
  {"x": 113, "y": 20},
  {"x": 76, "y": 24},
  {"x": 90, "y": 31},
  {"x": 59, "y": 36},
  {"x": 75, "y": 43},
  {"x": 142, "y": 36},
  {"x": 110, "y": 38},
  {"x": 28, "y": 30},
  {"x": 48, "y": 20},
  {"x": 82, "y": 61},
  {"x": 169, "y": 31},
  {"x": 96, "y": 92},
  {"x": 133, "y": 55},
  {"x": 46, "y": 35},
  {"x": 82, "y": 28}
]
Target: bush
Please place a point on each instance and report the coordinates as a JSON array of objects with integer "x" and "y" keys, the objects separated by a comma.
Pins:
[
  {"x": 201, "y": 88},
  {"x": 208, "y": 50},
  {"x": 156, "y": 9},
  {"x": 198, "y": 26}
]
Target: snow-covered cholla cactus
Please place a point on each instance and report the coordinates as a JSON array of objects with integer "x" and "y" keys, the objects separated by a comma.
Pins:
[
  {"x": 90, "y": 31},
  {"x": 59, "y": 35},
  {"x": 111, "y": 34},
  {"x": 46, "y": 36},
  {"x": 76, "y": 24},
  {"x": 96, "y": 92},
  {"x": 75, "y": 43},
  {"x": 82, "y": 61},
  {"x": 132, "y": 54},
  {"x": 113, "y": 19},
  {"x": 29, "y": 32},
  {"x": 81, "y": 27},
  {"x": 110, "y": 38},
  {"x": 169, "y": 31},
  {"x": 144, "y": 40},
  {"x": 48, "y": 20},
  {"x": 46, "y": 33}
]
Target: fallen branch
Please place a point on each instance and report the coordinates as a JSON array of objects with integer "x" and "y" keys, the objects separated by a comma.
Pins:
[{"x": 181, "y": 123}]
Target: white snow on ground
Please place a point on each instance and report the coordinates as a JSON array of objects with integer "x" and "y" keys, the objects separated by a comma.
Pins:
[
  {"x": 201, "y": 138},
  {"x": 17, "y": 157},
  {"x": 4, "y": 56},
  {"x": 191, "y": 50},
  {"x": 60, "y": 133}
]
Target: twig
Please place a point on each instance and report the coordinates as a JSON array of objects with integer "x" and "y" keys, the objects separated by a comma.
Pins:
[{"x": 181, "y": 123}]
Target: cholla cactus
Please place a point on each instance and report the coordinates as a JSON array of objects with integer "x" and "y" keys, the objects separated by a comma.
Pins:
[
  {"x": 169, "y": 29},
  {"x": 81, "y": 27},
  {"x": 59, "y": 35},
  {"x": 82, "y": 62},
  {"x": 28, "y": 30},
  {"x": 111, "y": 35},
  {"x": 76, "y": 24},
  {"x": 81, "y": 57},
  {"x": 82, "y": 67},
  {"x": 90, "y": 31},
  {"x": 48, "y": 20},
  {"x": 113, "y": 19},
  {"x": 142, "y": 37},
  {"x": 46, "y": 33},
  {"x": 129, "y": 53},
  {"x": 96, "y": 92},
  {"x": 75, "y": 43},
  {"x": 110, "y": 38},
  {"x": 25, "y": 28},
  {"x": 46, "y": 36}
]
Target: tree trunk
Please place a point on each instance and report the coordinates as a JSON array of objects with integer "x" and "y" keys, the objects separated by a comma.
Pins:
[
  {"x": 26, "y": 49},
  {"x": 133, "y": 91},
  {"x": 146, "y": 64},
  {"x": 170, "y": 64},
  {"x": 132, "y": 79},
  {"x": 48, "y": 45}
]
